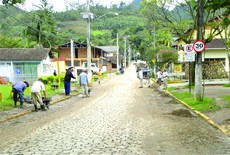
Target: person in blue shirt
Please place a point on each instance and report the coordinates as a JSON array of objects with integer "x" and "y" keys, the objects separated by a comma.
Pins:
[
  {"x": 84, "y": 83},
  {"x": 67, "y": 80},
  {"x": 18, "y": 89}
]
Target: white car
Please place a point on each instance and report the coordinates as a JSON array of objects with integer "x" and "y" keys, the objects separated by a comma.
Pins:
[{"x": 94, "y": 67}]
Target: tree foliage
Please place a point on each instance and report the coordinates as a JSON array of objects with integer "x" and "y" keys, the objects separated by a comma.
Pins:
[
  {"x": 42, "y": 29},
  {"x": 12, "y": 2},
  {"x": 10, "y": 42}
]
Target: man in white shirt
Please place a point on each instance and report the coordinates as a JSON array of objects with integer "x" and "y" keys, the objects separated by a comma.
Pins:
[
  {"x": 159, "y": 77},
  {"x": 84, "y": 83},
  {"x": 36, "y": 96},
  {"x": 165, "y": 79},
  {"x": 140, "y": 76}
]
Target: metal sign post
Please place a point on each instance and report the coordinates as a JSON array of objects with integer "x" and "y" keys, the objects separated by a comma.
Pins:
[{"x": 189, "y": 57}]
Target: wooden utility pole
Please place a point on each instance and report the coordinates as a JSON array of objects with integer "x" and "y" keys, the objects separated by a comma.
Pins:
[{"x": 198, "y": 67}]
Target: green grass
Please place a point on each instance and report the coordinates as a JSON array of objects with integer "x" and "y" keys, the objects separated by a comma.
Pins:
[
  {"x": 187, "y": 86},
  {"x": 227, "y": 85},
  {"x": 208, "y": 104},
  {"x": 7, "y": 102},
  {"x": 227, "y": 99}
]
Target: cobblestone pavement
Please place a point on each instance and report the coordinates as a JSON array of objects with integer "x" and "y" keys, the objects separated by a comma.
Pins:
[{"x": 118, "y": 119}]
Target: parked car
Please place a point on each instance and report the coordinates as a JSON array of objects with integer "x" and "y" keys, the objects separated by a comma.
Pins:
[{"x": 94, "y": 67}]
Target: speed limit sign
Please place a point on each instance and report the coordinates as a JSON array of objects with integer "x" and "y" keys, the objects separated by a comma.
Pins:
[{"x": 199, "y": 46}]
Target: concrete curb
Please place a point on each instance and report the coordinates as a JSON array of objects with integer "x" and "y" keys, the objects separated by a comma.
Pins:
[
  {"x": 30, "y": 111},
  {"x": 16, "y": 116},
  {"x": 203, "y": 116}
]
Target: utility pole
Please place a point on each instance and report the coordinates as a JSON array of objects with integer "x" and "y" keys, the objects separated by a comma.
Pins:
[
  {"x": 117, "y": 54},
  {"x": 125, "y": 37},
  {"x": 72, "y": 53},
  {"x": 129, "y": 55},
  {"x": 88, "y": 43},
  {"x": 198, "y": 67}
]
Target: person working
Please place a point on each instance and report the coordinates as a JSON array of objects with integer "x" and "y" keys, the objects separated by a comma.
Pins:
[
  {"x": 84, "y": 83},
  {"x": 36, "y": 96},
  {"x": 18, "y": 89},
  {"x": 67, "y": 79}
]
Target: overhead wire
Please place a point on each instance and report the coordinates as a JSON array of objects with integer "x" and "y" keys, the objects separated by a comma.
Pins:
[
  {"x": 27, "y": 25},
  {"x": 33, "y": 29}
]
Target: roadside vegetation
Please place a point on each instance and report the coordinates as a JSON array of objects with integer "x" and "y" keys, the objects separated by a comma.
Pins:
[
  {"x": 207, "y": 104},
  {"x": 227, "y": 99},
  {"x": 7, "y": 103},
  {"x": 227, "y": 85}
]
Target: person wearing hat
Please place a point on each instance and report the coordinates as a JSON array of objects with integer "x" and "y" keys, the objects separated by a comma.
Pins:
[
  {"x": 36, "y": 96},
  {"x": 18, "y": 89},
  {"x": 67, "y": 79}
]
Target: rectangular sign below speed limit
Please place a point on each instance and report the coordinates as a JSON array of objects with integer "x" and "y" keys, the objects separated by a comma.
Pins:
[{"x": 189, "y": 53}]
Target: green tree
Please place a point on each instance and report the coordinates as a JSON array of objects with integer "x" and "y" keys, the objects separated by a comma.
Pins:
[
  {"x": 10, "y": 42},
  {"x": 42, "y": 29},
  {"x": 166, "y": 56},
  {"x": 225, "y": 37},
  {"x": 185, "y": 26},
  {"x": 12, "y": 2}
]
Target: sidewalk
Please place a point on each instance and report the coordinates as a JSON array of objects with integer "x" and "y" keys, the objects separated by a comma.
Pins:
[
  {"x": 212, "y": 89},
  {"x": 29, "y": 108},
  {"x": 206, "y": 82}
]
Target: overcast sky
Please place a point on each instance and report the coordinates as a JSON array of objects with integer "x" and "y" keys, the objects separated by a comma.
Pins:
[{"x": 60, "y": 5}]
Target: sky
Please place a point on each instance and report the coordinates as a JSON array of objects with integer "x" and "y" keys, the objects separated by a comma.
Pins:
[{"x": 60, "y": 5}]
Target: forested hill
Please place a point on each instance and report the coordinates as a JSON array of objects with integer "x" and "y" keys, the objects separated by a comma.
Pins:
[{"x": 70, "y": 24}]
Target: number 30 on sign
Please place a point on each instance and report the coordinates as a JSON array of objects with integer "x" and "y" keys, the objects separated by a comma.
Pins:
[{"x": 199, "y": 46}]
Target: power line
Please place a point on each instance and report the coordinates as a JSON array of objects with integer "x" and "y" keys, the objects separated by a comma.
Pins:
[
  {"x": 27, "y": 14},
  {"x": 31, "y": 28}
]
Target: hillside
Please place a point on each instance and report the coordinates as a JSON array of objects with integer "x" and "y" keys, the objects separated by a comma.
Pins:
[{"x": 70, "y": 25}]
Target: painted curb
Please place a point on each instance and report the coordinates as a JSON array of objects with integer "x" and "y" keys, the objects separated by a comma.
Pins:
[
  {"x": 30, "y": 111},
  {"x": 16, "y": 116},
  {"x": 203, "y": 116}
]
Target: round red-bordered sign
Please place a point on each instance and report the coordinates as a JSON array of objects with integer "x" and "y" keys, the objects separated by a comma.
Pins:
[
  {"x": 188, "y": 47},
  {"x": 199, "y": 46}
]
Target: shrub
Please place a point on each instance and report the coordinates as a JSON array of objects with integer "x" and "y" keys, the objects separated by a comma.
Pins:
[{"x": 50, "y": 78}]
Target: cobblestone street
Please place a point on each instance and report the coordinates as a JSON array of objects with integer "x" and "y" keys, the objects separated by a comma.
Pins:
[{"x": 117, "y": 119}]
